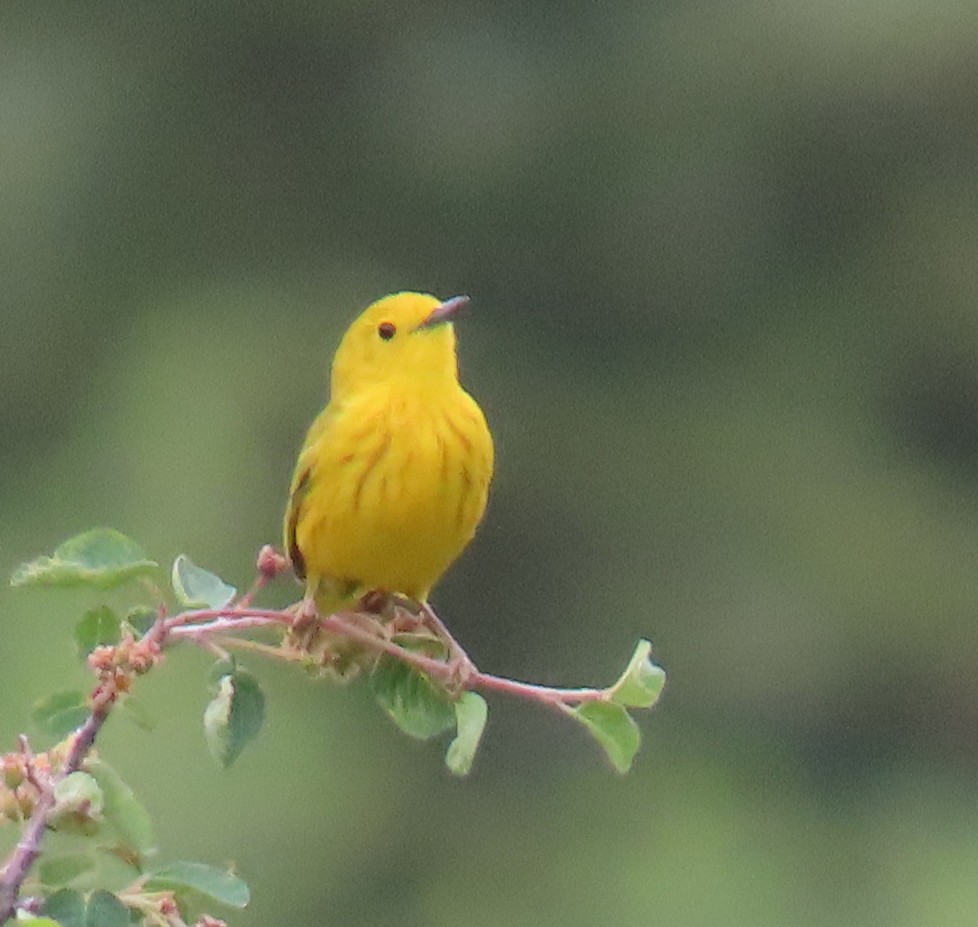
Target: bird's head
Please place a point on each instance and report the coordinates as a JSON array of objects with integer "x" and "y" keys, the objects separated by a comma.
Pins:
[{"x": 406, "y": 336}]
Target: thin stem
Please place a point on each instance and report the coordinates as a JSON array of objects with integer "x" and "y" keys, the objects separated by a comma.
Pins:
[
  {"x": 242, "y": 643},
  {"x": 29, "y": 846},
  {"x": 534, "y": 692},
  {"x": 30, "y": 769},
  {"x": 232, "y": 620},
  {"x": 442, "y": 671},
  {"x": 221, "y": 625},
  {"x": 455, "y": 650},
  {"x": 204, "y": 615},
  {"x": 260, "y": 583}
]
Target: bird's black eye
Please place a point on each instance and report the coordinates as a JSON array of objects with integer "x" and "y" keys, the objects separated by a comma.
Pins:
[{"x": 387, "y": 330}]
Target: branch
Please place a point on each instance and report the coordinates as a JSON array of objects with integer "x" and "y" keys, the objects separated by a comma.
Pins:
[
  {"x": 444, "y": 672},
  {"x": 28, "y": 848},
  {"x": 199, "y": 625},
  {"x": 117, "y": 666}
]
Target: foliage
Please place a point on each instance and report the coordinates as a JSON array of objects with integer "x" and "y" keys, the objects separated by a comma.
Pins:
[{"x": 422, "y": 681}]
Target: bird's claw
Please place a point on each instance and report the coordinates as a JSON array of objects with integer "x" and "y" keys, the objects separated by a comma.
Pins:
[
  {"x": 375, "y": 602},
  {"x": 304, "y": 613},
  {"x": 305, "y": 622}
]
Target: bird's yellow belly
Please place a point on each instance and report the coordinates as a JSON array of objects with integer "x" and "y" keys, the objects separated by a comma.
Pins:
[{"x": 398, "y": 510}]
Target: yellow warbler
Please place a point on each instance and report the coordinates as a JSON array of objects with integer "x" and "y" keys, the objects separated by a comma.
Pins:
[{"x": 393, "y": 477}]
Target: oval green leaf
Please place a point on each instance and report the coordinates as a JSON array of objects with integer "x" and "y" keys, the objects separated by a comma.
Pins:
[
  {"x": 105, "y": 910},
  {"x": 641, "y": 684},
  {"x": 138, "y": 713},
  {"x": 60, "y": 871},
  {"x": 613, "y": 728},
  {"x": 471, "y": 713},
  {"x": 197, "y": 588},
  {"x": 234, "y": 716},
  {"x": 77, "y": 793},
  {"x": 78, "y": 804},
  {"x": 219, "y": 669},
  {"x": 98, "y": 627},
  {"x": 413, "y": 702},
  {"x": 141, "y": 618},
  {"x": 216, "y": 884},
  {"x": 102, "y": 558},
  {"x": 123, "y": 810},
  {"x": 67, "y": 907},
  {"x": 99, "y": 909},
  {"x": 61, "y": 713}
]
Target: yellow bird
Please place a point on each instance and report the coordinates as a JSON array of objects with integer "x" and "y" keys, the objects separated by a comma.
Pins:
[{"x": 393, "y": 477}]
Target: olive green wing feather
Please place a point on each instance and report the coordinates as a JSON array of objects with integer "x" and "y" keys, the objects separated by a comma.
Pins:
[{"x": 302, "y": 480}]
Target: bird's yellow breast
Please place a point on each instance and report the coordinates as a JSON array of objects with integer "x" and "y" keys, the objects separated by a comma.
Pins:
[{"x": 394, "y": 484}]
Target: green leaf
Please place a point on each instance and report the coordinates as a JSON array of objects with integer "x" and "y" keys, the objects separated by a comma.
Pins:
[
  {"x": 641, "y": 684},
  {"x": 105, "y": 910},
  {"x": 78, "y": 791},
  {"x": 67, "y": 907},
  {"x": 196, "y": 588},
  {"x": 98, "y": 627},
  {"x": 612, "y": 727},
  {"x": 60, "y": 714},
  {"x": 138, "y": 713},
  {"x": 471, "y": 712},
  {"x": 234, "y": 716},
  {"x": 414, "y": 703},
  {"x": 59, "y": 871},
  {"x": 216, "y": 884},
  {"x": 38, "y": 921},
  {"x": 141, "y": 618},
  {"x": 78, "y": 804},
  {"x": 219, "y": 669},
  {"x": 98, "y": 909},
  {"x": 102, "y": 558},
  {"x": 122, "y": 809}
]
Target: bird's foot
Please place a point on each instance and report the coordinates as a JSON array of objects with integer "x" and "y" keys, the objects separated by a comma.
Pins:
[
  {"x": 407, "y": 617},
  {"x": 399, "y": 614},
  {"x": 305, "y": 622},
  {"x": 304, "y": 613},
  {"x": 375, "y": 602},
  {"x": 411, "y": 606}
]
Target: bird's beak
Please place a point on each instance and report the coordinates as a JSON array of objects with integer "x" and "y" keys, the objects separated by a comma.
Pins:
[{"x": 446, "y": 312}]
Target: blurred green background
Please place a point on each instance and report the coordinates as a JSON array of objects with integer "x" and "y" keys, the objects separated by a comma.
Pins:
[{"x": 723, "y": 266}]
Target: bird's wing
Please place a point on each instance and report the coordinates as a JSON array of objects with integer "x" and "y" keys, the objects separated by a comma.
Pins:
[{"x": 301, "y": 480}]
